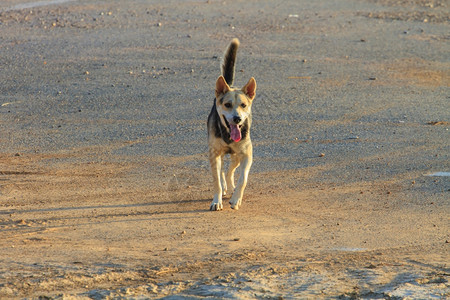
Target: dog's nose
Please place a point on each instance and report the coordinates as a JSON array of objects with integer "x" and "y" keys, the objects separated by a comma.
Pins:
[{"x": 237, "y": 119}]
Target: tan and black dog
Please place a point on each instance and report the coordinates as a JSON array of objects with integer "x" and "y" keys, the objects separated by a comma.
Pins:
[{"x": 229, "y": 132}]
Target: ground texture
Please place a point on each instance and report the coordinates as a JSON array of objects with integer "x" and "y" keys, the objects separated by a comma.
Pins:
[{"x": 104, "y": 176}]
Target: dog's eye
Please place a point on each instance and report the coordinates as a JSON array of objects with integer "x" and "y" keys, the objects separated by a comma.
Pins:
[
  {"x": 228, "y": 105},
  {"x": 243, "y": 105}
]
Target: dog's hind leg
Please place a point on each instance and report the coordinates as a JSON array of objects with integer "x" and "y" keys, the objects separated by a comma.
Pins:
[
  {"x": 216, "y": 168},
  {"x": 236, "y": 199},
  {"x": 223, "y": 180},
  {"x": 230, "y": 175}
]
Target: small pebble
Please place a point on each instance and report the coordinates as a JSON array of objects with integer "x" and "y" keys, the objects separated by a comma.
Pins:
[
  {"x": 321, "y": 154},
  {"x": 236, "y": 239}
]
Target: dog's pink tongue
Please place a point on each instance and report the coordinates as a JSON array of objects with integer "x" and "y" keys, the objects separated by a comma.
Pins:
[{"x": 235, "y": 133}]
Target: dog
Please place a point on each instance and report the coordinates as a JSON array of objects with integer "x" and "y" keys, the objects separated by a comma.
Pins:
[{"x": 229, "y": 125}]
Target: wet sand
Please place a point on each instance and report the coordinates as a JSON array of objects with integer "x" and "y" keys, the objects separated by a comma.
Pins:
[{"x": 104, "y": 177}]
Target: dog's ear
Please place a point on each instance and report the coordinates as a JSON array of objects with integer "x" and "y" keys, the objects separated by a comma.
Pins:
[
  {"x": 250, "y": 88},
  {"x": 221, "y": 87}
]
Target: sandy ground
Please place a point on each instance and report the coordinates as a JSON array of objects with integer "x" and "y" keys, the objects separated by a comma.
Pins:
[{"x": 104, "y": 178}]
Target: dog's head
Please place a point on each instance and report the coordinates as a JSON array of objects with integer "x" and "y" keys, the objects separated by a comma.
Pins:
[{"x": 234, "y": 106}]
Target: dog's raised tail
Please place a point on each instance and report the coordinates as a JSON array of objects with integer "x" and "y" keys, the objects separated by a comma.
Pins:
[{"x": 228, "y": 61}]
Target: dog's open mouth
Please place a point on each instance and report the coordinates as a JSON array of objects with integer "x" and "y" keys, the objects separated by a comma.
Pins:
[{"x": 235, "y": 131}]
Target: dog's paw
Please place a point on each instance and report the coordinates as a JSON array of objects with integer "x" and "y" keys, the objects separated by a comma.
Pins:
[
  {"x": 235, "y": 203},
  {"x": 235, "y": 206},
  {"x": 216, "y": 204}
]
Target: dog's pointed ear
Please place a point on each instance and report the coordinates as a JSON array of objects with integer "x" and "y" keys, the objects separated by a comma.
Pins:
[
  {"x": 250, "y": 88},
  {"x": 221, "y": 87}
]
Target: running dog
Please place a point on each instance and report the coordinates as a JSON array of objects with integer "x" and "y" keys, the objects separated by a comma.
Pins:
[{"x": 229, "y": 132}]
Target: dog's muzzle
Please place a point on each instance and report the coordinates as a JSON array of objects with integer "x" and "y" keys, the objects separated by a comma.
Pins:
[{"x": 235, "y": 129}]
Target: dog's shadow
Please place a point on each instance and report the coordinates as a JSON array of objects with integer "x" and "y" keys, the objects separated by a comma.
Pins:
[{"x": 113, "y": 206}]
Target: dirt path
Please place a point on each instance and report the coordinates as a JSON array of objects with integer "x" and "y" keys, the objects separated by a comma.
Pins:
[{"x": 104, "y": 178}]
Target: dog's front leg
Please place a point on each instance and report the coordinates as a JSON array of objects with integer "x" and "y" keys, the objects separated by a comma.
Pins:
[
  {"x": 246, "y": 163},
  {"x": 230, "y": 175},
  {"x": 216, "y": 168}
]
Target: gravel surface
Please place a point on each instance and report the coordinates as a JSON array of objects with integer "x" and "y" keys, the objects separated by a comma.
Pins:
[{"x": 104, "y": 177}]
